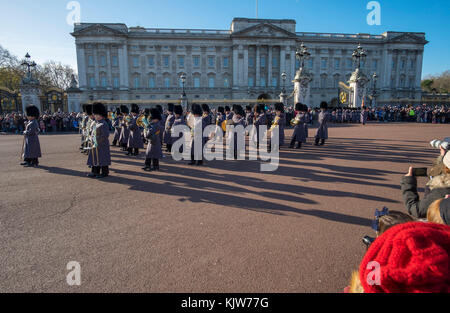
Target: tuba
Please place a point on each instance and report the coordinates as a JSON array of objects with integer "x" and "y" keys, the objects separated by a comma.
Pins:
[
  {"x": 142, "y": 121},
  {"x": 275, "y": 123}
]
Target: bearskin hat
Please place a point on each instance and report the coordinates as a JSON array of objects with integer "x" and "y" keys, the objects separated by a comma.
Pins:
[
  {"x": 118, "y": 112},
  {"x": 221, "y": 110},
  {"x": 98, "y": 108},
  {"x": 160, "y": 108},
  {"x": 237, "y": 109},
  {"x": 124, "y": 109},
  {"x": 32, "y": 111},
  {"x": 298, "y": 106},
  {"x": 170, "y": 107},
  {"x": 227, "y": 109},
  {"x": 196, "y": 109},
  {"x": 134, "y": 108},
  {"x": 146, "y": 112},
  {"x": 279, "y": 107},
  {"x": 178, "y": 109},
  {"x": 324, "y": 105},
  {"x": 89, "y": 109},
  {"x": 248, "y": 108},
  {"x": 205, "y": 108},
  {"x": 155, "y": 114},
  {"x": 263, "y": 107},
  {"x": 257, "y": 109}
]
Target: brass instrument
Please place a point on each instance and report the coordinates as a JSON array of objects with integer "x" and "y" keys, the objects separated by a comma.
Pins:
[
  {"x": 275, "y": 123},
  {"x": 127, "y": 120},
  {"x": 295, "y": 121},
  {"x": 142, "y": 121}
]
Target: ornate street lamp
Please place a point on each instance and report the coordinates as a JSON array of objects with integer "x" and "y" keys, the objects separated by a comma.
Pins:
[
  {"x": 183, "y": 82},
  {"x": 374, "y": 89},
  {"x": 283, "y": 78},
  {"x": 302, "y": 54},
  {"x": 359, "y": 55},
  {"x": 29, "y": 65}
]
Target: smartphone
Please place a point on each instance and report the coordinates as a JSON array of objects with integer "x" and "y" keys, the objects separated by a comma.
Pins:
[{"x": 420, "y": 172}]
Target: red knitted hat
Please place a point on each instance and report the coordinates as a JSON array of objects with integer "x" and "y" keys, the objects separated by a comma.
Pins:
[{"x": 412, "y": 257}]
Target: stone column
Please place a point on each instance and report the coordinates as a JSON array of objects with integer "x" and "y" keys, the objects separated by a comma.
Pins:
[
  {"x": 81, "y": 61},
  {"x": 96, "y": 67},
  {"x": 258, "y": 68},
  {"x": 269, "y": 66},
  {"x": 123, "y": 67},
  {"x": 235, "y": 66},
  {"x": 245, "y": 66},
  {"x": 108, "y": 66}
]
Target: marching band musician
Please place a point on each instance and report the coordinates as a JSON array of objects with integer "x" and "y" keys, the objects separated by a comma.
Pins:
[
  {"x": 99, "y": 155},
  {"x": 220, "y": 118},
  {"x": 117, "y": 128},
  {"x": 280, "y": 120},
  {"x": 154, "y": 147},
  {"x": 146, "y": 118},
  {"x": 31, "y": 146},
  {"x": 135, "y": 140},
  {"x": 248, "y": 115},
  {"x": 125, "y": 131},
  {"x": 322, "y": 131},
  {"x": 89, "y": 125},
  {"x": 168, "y": 126},
  {"x": 259, "y": 119},
  {"x": 83, "y": 126},
  {"x": 179, "y": 120},
  {"x": 299, "y": 122},
  {"x": 228, "y": 113},
  {"x": 238, "y": 119},
  {"x": 197, "y": 112}
]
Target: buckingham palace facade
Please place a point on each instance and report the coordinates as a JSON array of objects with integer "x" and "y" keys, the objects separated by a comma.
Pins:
[{"x": 245, "y": 62}]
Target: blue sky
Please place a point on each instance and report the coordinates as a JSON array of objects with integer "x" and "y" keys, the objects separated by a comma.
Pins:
[{"x": 40, "y": 27}]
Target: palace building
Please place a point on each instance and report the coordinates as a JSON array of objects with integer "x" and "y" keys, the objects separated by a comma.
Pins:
[{"x": 116, "y": 62}]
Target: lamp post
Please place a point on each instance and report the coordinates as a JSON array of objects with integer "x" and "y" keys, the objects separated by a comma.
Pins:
[
  {"x": 359, "y": 55},
  {"x": 283, "y": 96},
  {"x": 29, "y": 65},
  {"x": 183, "y": 96},
  {"x": 374, "y": 89},
  {"x": 302, "y": 54}
]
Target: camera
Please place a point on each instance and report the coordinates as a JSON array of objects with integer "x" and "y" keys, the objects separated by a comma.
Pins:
[
  {"x": 367, "y": 241},
  {"x": 444, "y": 144}
]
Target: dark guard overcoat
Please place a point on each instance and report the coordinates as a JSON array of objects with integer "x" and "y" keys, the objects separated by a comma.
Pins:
[
  {"x": 135, "y": 140},
  {"x": 153, "y": 134},
  {"x": 32, "y": 147},
  {"x": 100, "y": 156},
  {"x": 322, "y": 131},
  {"x": 300, "y": 134}
]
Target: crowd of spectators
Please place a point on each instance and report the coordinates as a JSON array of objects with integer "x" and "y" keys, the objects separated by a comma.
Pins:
[{"x": 48, "y": 122}]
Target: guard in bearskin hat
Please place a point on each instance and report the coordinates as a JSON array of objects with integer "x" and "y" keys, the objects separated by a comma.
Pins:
[
  {"x": 135, "y": 141},
  {"x": 116, "y": 125},
  {"x": 170, "y": 119},
  {"x": 249, "y": 115},
  {"x": 153, "y": 135},
  {"x": 125, "y": 131},
  {"x": 31, "y": 146},
  {"x": 99, "y": 156},
  {"x": 259, "y": 119},
  {"x": 322, "y": 130},
  {"x": 299, "y": 122},
  {"x": 179, "y": 120},
  {"x": 199, "y": 125},
  {"x": 280, "y": 121}
]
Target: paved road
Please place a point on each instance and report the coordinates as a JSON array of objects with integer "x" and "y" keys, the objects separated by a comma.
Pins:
[{"x": 225, "y": 227}]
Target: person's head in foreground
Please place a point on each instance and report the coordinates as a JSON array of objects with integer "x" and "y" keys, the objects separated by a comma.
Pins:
[
  {"x": 407, "y": 258},
  {"x": 439, "y": 211}
]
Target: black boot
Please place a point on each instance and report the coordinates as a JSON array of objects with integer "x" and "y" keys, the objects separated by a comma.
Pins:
[
  {"x": 299, "y": 145},
  {"x": 169, "y": 148},
  {"x": 136, "y": 152},
  {"x": 317, "y": 142},
  {"x": 155, "y": 164},
  {"x": 104, "y": 172},
  {"x": 292, "y": 143},
  {"x": 200, "y": 163},
  {"x": 322, "y": 142},
  {"x": 130, "y": 151},
  {"x": 26, "y": 161},
  {"x": 192, "y": 160},
  {"x": 114, "y": 143},
  {"x": 95, "y": 170},
  {"x": 148, "y": 165}
]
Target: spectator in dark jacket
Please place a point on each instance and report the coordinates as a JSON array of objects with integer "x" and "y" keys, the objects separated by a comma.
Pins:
[{"x": 437, "y": 188}]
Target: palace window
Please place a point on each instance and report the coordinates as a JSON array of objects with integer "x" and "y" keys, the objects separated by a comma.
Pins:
[
  {"x": 166, "y": 61},
  {"x": 251, "y": 82},
  {"x": 297, "y": 63},
  {"x": 136, "y": 82},
  {"x": 311, "y": 63},
  {"x": 136, "y": 61},
  {"x": 262, "y": 82},
  {"x": 274, "y": 82},
  {"x": 337, "y": 64},
  {"x": 151, "y": 61},
  {"x": 92, "y": 82},
  {"x": 411, "y": 64},
  {"x": 167, "y": 82},
  {"x": 402, "y": 64},
  {"x": 196, "y": 61},
  {"x": 196, "y": 82},
  {"x": 375, "y": 64},
  {"x": 349, "y": 63},
  {"x": 274, "y": 62},
  {"x": 104, "y": 82},
  {"x": 181, "y": 61},
  {"x": 225, "y": 62},
  {"x": 151, "y": 82},
  {"x": 211, "y": 82},
  {"x": 251, "y": 62},
  {"x": 90, "y": 60},
  {"x": 226, "y": 82},
  {"x": 211, "y": 61},
  {"x": 102, "y": 60},
  {"x": 323, "y": 63},
  {"x": 116, "y": 82},
  {"x": 115, "y": 61},
  {"x": 263, "y": 62}
]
